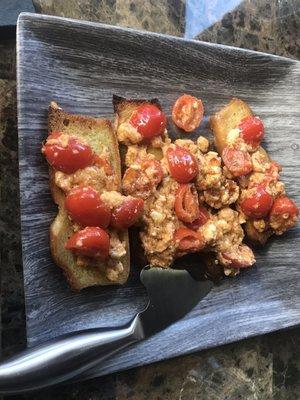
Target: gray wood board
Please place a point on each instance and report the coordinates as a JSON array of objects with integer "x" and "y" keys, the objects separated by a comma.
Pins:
[{"x": 81, "y": 65}]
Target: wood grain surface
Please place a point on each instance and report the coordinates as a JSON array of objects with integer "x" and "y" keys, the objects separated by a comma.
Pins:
[{"x": 81, "y": 65}]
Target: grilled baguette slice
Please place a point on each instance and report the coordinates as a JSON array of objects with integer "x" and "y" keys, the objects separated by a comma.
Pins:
[
  {"x": 221, "y": 123},
  {"x": 97, "y": 133},
  {"x": 123, "y": 108}
]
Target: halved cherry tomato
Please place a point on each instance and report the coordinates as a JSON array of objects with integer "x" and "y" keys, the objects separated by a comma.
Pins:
[
  {"x": 252, "y": 130},
  {"x": 284, "y": 205},
  {"x": 186, "y": 203},
  {"x": 128, "y": 213},
  {"x": 149, "y": 120},
  {"x": 201, "y": 220},
  {"x": 141, "y": 180},
  {"x": 182, "y": 164},
  {"x": 187, "y": 112},
  {"x": 259, "y": 204},
  {"x": 240, "y": 257},
  {"x": 237, "y": 161},
  {"x": 90, "y": 242},
  {"x": 85, "y": 207},
  {"x": 70, "y": 158},
  {"x": 188, "y": 240}
]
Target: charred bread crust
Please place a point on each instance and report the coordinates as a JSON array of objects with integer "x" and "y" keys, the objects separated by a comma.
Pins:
[
  {"x": 124, "y": 107},
  {"x": 119, "y": 102},
  {"x": 227, "y": 118},
  {"x": 80, "y": 277}
]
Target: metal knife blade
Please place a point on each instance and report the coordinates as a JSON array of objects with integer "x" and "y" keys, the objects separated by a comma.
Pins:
[{"x": 172, "y": 294}]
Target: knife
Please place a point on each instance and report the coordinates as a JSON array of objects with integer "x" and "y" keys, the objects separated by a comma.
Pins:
[{"x": 172, "y": 294}]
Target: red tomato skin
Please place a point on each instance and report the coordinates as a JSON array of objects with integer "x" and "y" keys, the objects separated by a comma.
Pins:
[
  {"x": 180, "y": 111},
  {"x": 149, "y": 121},
  {"x": 85, "y": 207},
  {"x": 240, "y": 257},
  {"x": 182, "y": 164},
  {"x": 284, "y": 205},
  {"x": 90, "y": 242},
  {"x": 258, "y": 205},
  {"x": 70, "y": 158},
  {"x": 186, "y": 203},
  {"x": 201, "y": 220},
  {"x": 188, "y": 240},
  {"x": 237, "y": 161},
  {"x": 252, "y": 130},
  {"x": 127, "y": 214}
]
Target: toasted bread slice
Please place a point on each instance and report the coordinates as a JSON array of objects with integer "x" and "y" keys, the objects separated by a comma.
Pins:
[
  {"x": 123, "y": 109},
  {"x": 98, "y": 134},
  {"x": 221, "y": 123},
  {"x": 226, "y": 119}
]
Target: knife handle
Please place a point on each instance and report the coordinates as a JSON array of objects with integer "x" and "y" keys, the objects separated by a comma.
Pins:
[{"x": 65, "y": 357}]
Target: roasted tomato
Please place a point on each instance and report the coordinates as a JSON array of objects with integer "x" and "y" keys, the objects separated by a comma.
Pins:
[
  {"x": 141, "y": 180},
  {"x": 186, "y": 203},
  {"x": 149, "y": 121},
  {"x": 85, "y": 207},
  {"x": 188, "y": 240},
  {"x": 128, "y": 213},
  {"x": 237, "y": 161},
  {"x": 67, "y": 158},
  {"x": 182, "y": 164},
  {"x": 187, "y": 112},
  {"x": 284, "y": 205},
  {"x": 201, "y": 220},
  {"x": 90, "y": 242},
  {"x": 283, "y": 215},
  {"x": 259, "y": 204},
  {"x": 252, "y": 130},
  {"x": 239, "y": 257}
]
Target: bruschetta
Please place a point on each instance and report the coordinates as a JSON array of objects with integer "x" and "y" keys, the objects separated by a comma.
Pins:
[
  {"x": 262, "y": 203},
  {"x": 88, "y": 238}
]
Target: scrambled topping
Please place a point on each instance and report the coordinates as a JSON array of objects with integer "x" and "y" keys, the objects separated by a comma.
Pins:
[
  {"x": 210, "y": 173},
  {"x": 117, "y": 248},
  {"x": 94, "y": 176},
  {"x": 128, "y": 134},
  {"x": 282, "y": 222},
  {"x": 221, "y": 196},
  {"x": 160, "y": 224},
  {"x": 113, "y": 271},
  {"x": 203, "y": 144},
  {"x": 112, "y": 199}
]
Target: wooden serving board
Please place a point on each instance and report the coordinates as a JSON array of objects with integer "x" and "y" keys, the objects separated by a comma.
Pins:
[{"x": 81, "y": 65}]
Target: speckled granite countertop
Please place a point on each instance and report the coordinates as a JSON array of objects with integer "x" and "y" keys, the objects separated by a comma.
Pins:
[{"x": 262, "y": 368}]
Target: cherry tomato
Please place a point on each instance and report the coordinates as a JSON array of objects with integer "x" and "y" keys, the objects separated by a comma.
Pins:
[
  {"x": 128, "y": 213},
  {"x": 240, "y": 257},
  {"x": 201, "y": 220},
  {"x": 85, "y": 207},
  {"x": 237, "y": 161},
  {"x": 259, "y": 204},
  {"x": 90, "y": 242},
  {"x": 188, "y": 240},
  {"x": 182, "y": 164},
  {"x": 69, "y": 158},
  {"x": 144, "y": 179},
  {"x": 186, "y": 203},
  {"x": 149, "y": 120},
  {"x": 284, "y": 205},
  {"x": 252, "y": 130},
  {"x": 187, "y": 112}
]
